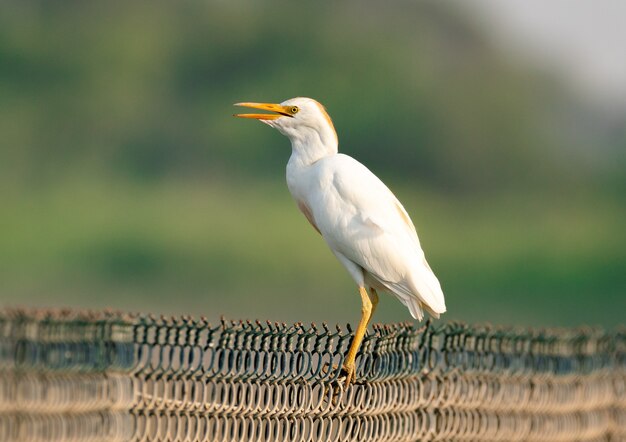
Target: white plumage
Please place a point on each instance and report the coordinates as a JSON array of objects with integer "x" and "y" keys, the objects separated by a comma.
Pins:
[
  {"x": 360, "y": 219},
  {"x": 368, "y": 230}
]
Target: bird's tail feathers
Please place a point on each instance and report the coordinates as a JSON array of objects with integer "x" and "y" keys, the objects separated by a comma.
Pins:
[
  {"x": 407, "y": 296},
  {"x": 431, "y": 312},
  {"x": 426, "y": 286},
  {"x": 420, "y": 291},
  {"x": 414, "y": 306}
]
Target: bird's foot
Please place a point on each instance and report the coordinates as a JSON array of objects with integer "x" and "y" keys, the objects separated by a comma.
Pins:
[{"x": 348, "y": 374}]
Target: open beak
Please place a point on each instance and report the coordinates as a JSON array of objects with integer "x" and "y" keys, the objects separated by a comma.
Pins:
[{"x": 280, "y": 111}]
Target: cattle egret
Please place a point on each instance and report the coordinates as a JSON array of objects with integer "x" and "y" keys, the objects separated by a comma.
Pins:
[{"x": 360, "y": 219}]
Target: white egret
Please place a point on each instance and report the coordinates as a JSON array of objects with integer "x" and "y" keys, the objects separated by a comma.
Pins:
[{"x": 360, "y": 219}]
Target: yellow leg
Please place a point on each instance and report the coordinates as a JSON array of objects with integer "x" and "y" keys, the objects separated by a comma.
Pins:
[
  {"x": 368, "y": 305},
  {"x": 374, "y": 300}
]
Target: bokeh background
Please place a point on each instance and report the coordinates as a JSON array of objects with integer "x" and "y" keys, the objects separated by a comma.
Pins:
[{"x": 126, "y": 183}]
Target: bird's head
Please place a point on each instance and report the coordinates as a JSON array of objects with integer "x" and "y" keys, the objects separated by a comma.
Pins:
[{"x": 303, "y": 120}]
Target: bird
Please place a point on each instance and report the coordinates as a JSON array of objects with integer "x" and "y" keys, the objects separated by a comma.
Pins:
[{"x": 363, "y": 223}]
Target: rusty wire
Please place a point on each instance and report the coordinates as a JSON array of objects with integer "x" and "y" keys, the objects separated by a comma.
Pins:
[{"x": 95, "y": 376}]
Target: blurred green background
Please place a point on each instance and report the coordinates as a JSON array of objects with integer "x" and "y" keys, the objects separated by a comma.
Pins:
[{"x": 126, "y": 183}]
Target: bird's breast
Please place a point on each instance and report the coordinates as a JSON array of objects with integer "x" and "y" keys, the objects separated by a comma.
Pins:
[
  {"x": 306, "y": 211},
  {"x": 303, "y": 186}
]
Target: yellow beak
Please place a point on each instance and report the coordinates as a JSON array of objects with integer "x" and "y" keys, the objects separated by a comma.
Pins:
[{"x": 280, "y": 111}]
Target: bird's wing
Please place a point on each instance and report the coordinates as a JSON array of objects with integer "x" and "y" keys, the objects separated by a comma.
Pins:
[{"x": 360, "y": 218}]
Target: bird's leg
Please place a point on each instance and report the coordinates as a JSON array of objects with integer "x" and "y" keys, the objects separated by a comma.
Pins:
[
  {"x": 374, "y": 301},
  {"x": 367, "y": 307}
]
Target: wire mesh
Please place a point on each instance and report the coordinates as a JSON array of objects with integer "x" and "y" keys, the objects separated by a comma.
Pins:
[{"x": 96, "y": 376}]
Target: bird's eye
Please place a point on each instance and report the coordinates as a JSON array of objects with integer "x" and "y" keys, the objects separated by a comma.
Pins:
[{"x": 294, "y": 110}]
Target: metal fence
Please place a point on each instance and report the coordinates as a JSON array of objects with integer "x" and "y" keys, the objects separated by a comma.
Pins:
[{"x": 96, "y": 376}]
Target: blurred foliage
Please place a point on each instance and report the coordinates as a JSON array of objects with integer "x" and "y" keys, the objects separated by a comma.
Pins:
[{"x": 126, "y": 182}]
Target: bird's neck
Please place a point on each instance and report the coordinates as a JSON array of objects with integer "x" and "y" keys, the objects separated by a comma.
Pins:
[{"x": 310, "y": 147}]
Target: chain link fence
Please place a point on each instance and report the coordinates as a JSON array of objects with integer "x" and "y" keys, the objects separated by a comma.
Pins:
[{"x": 105, "y": 376}]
